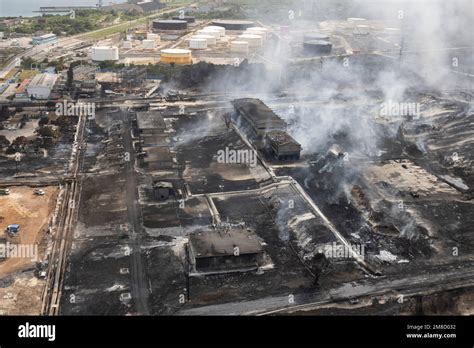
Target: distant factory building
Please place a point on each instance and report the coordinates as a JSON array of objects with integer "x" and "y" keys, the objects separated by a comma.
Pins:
[
  {"x": 282, "y": 146},
  {"x": 42, "y": 85},
  {"x": 224, "y": 251},
  {"x": 84, "y": 79},
  {"x": 151, "y": 5},
  {"x": 104, "y": 53},
  {"x": 21, "y": 93},
  {"x": 258, "y": 116},
  {"x": 47, "y": 38}
]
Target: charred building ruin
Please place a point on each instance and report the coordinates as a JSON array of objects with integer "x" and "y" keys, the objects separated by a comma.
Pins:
[
  {"x": 233, "y": 250},
  {"x": 264, "y": 126}
]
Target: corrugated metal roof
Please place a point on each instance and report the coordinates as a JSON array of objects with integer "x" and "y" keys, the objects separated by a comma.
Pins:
[{"x": 43, "y": 80}]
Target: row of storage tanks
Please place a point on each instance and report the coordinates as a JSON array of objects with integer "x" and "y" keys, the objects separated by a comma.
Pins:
[
  {"x": 252, "y": 38},
  {"x": 150, "y": 43}
]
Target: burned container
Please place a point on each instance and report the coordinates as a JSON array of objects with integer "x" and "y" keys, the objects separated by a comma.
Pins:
[
  {"x": 170, "y": 24},
  {"x": 317, "y": 47}
]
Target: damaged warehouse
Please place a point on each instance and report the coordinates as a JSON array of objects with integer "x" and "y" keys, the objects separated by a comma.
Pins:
[{"x": 223, "y": 251}]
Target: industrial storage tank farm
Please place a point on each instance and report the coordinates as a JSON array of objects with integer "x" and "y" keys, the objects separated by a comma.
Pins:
[{"x": 207, "y": 158}]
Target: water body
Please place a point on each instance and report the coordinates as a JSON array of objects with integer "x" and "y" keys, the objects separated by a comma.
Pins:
[{"x": 25, "y": 8}]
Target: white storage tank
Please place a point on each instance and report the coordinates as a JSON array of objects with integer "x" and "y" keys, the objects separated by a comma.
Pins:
[
  {"x": 211, "y": 40},
  {"x": 239, "y": 46},
  {"x": 211, "y": 32},
  {"x": 127, "y": 44},
  {"x": 103, "y": 53},
  {"x": 221, "y": 30},
  {"x": 392, "y": 31},
  {"x": 253, "y": 40},
  {"x": 355, "y": 21},
  {"x": 148, "y": 44},
  {"x": 197, "y": 44},
  {"x": 154, "y": 37},
  {"x": 258, "y": 31}
]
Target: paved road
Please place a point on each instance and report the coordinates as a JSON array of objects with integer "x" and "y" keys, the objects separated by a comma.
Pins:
[
  {"x": 406, "y": 286},
  {"x": 138, "y": 272}
]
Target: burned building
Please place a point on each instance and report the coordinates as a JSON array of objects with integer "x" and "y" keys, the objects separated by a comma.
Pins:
[
  {"x": 157, "y": 158},
  {"x": 282, "y": 146},
  {"x": 223, "y": 251},
  {"x": 150, "y": 123},
  {"x": 162, "y": 190},
  {"x": 259, "y": 118}
]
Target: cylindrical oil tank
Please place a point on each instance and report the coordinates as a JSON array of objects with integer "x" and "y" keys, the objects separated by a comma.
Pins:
[
  {"x": 103, "y": 53},
  {"x": 148, "y": 44},
  {"x": 197, "y": 44},
  {"x": 211, "y": 40},
  {"x": 253, "y": 40},
  {"x": 221, "y": 30},
  {"x": 315, "y": 36},
  {"x": 317, "y": 47},
  {"x": 153, "y": 36},
  {"x": 239, "y": 46},
  {"x": 210, "y": 32},
  {"x": 392, "y": 31},
  {"x": 355, "y": 21},
  {"x": 230, "y": 24},
  {"x": 176, "y": 56},
  {"x": 258, "y": 31},
  {"x": 127, "y": 44},
  {"x": 170, "y": 24},
  {"x": 189, "y": 19}
]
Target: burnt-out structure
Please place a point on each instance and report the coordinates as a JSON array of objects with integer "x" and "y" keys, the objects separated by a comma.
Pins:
[
  {"x": 282, "y": 146},
  {"x": 157, "y": 158},
  {"x": 162, "y": 190},
  {"x": 258, "y": 117},
  {"x": 150, "y": 123},
  {"x": 223, "y": 251},
  {"x": 317, "y": 47}
]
